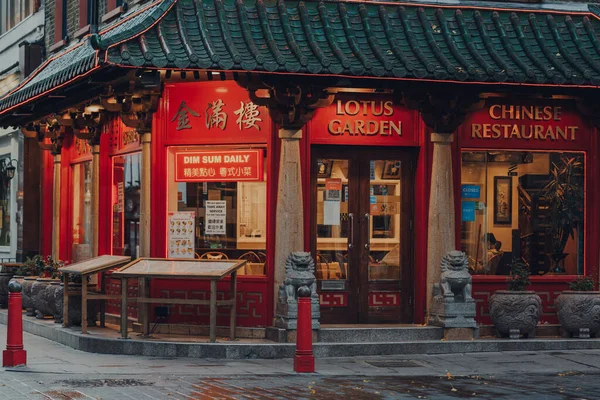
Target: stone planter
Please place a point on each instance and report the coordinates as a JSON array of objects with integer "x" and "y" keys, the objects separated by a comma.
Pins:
[
  {"x": 515, "y": 313},
  {"x": 74, "y": 306},
  {"x": 579, "y": 313},
  {"x": 38, "y": 298},
  {"x": 43, "y": 300},
  {"x": 28, "y": 282},
  {"x": 5, "y": 277}
]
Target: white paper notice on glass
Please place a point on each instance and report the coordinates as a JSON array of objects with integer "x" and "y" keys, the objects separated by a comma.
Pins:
[
  {"x": 331, "y": 213},
  {"x": 216, "y": 217},
  {"x": 181, "y": 234}
]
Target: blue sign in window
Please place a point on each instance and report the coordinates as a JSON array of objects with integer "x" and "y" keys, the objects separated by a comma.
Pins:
[
  {"x": 468, "y": 211},
  {"x": 471, "y": 191}
]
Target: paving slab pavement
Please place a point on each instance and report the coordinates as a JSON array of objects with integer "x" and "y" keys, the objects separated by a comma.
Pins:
[{"x": 56, "y": 371}]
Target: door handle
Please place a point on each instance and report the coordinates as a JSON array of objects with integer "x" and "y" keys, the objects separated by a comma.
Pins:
[
  {"x": 368, "y": 243},
  {"x": 351, "y": 222}
]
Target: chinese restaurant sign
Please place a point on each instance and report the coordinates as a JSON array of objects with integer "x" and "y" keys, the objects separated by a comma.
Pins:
[
  {"x": 214, "y": 112},
  {"x": 219, "y": 166},
  {"x": 366, "y": 120},
  {"x": 548, "y": 125}
]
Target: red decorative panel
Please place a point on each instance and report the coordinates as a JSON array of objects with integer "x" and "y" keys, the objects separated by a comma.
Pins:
[
  {"x": 251, "y": 301},
  {"x": 548, "y": 288},
  {"x": 384, "y": 299},
  {"x": 113, "y": 286},
  {"x": 333, "y": 299}
]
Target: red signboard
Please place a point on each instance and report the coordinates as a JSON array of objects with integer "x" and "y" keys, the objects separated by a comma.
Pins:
[
  {"x": 219, "y": 166},
  {"x": 548, "y": 124},
  {"x": 368, "y": 119},
  {"x": 214, "y": 112}
]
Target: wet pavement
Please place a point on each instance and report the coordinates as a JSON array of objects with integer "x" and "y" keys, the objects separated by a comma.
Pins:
[
  {"x": 570, "y": 385},
  {"x": 58, "y": 372}
]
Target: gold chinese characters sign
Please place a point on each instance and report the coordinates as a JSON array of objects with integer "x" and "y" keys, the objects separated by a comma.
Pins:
[{"x": 214, "y": 112}]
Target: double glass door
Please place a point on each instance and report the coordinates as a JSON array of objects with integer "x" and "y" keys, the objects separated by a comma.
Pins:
[{"x": 362, "y": 219}]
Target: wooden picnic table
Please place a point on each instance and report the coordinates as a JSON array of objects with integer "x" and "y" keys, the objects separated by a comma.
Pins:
[
  {"x": 85, "y": 269},
  {"x": 165, "y": 268}
]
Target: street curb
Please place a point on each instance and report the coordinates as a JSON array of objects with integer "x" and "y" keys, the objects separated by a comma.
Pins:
[{"x": 237, "y": 350}]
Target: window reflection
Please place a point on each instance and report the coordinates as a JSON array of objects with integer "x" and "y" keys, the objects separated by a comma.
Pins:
[
  {"x": 528, "y": 205},
  {"x": 126, "y": 204},
  {"x": 82, "y": 211}
]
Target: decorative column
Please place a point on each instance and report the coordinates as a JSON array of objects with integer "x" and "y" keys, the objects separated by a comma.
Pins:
[
  {"x": 442, "y": 112},
  {"x": 290, "y": 106},
  {"x": 289, "y": 218},
  {"x": 146, "y": 138},
  {"x": 441, "y": 226},
  {"x": 95, "y": 195},
  {"x": 56, "y": 207}
]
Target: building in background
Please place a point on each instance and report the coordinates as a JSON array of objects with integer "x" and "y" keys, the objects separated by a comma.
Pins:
[{"x": 21, "y": 44}]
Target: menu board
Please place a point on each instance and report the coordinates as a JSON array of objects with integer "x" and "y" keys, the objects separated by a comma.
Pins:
[{"x": 181, "y": 234}]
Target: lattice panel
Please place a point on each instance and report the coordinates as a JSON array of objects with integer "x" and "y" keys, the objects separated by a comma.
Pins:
[
  {"x": 113, "y": 286},
  {"x": 333, "y": 299},
  {"x": 384, "y": 299},
  {"x": 251, "y": 305}
]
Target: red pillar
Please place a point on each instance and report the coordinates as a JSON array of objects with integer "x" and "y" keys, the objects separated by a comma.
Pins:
[
  {"x": 304, "y": 360},
  {"x": 14, "y": 355}
]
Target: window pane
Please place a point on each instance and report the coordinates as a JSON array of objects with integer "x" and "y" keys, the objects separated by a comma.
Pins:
[
  {"x": 125, "y": 202},
  {"x": 528, "y": 205},
  {"x": 82, "y": 211},
  {"x": 229, "y": 218}
]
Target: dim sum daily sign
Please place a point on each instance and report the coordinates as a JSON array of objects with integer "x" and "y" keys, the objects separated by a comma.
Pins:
[{"x": 219, "y": 166}]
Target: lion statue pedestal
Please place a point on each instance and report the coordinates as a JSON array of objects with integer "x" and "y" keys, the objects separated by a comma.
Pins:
[
  {"x": 299, "y": 271},
  {"x": 452, "y": 305}
]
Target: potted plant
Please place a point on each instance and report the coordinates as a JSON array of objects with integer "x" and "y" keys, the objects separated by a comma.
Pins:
[
  {"x": 564, "y": 196},
  {"x": 516, "y": 311},
  {"x": 578, "y": 309}
]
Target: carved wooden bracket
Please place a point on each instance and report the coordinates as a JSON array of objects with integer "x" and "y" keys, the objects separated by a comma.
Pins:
[
  {"x": 443, "y": 111},
  {"x": 290, "y": 105}
]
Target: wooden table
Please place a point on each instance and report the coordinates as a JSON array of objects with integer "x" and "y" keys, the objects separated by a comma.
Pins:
[
  {"x": 85, "y": 269},
  {"x": 11, "y": 265},
  {"x": 165, "y": 268}
]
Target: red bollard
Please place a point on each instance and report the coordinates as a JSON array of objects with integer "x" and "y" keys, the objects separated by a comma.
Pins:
[
  {"x": 304, "y": 361},
  {"x": 14, "y": 355}
]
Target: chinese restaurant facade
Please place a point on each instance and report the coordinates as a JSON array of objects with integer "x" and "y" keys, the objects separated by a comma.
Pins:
[{"x": 376, "y": 177}]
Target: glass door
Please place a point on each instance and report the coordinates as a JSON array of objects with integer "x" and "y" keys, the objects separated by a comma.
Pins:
[
  {"x": 385, "y": 213},
  {"x": 336, "y": 207},
  {"x": 362, "y": 211}
]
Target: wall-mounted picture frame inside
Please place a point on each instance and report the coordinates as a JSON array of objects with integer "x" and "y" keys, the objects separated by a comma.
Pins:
[
  {"x": 502, "y": 200},
  {"x": 324, "y": 167},
  {"x": 391, "y": 169}
]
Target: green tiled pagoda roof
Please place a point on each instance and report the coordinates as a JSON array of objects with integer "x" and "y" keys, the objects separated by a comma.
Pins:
[
  {"x": 344, "y": 38},
  {"x": 370, "y": 39}
]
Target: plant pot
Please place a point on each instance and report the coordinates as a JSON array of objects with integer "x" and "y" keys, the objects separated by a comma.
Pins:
[
  {"x": 28, "y": 282},
  {"x": 579, "y": 313},
  {"x": 74, "y": 306},
  {"x": 515, "y": 313},
  {"x": 38, "y": 297},
  {"x": 5, "y": 277}
]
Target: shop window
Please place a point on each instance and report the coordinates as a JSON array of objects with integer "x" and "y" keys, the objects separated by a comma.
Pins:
[
  {"x": 227, "y": 210},
  {"x": 125, "y": 203},
  {"x": 82, "y": 212},
  {"x": 13, "y": 12},
  {"x": 522, "y": 204}
]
